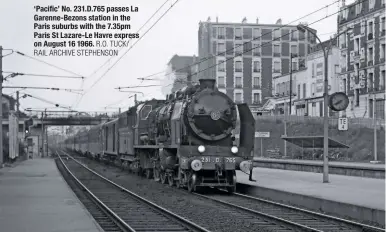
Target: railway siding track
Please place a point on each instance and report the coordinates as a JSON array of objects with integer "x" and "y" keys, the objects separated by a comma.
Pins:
[
  {"x": 130, "y": 211},
  {"x": 302, "y": 219}
]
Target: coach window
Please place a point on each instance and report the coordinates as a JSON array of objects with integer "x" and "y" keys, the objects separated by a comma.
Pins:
[{"x": 145, "y": 112}]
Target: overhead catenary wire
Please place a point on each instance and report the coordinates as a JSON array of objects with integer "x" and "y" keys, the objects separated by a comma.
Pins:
[
  {"x": 131, "y": 47},
  {"x": 42, "y": 75},
  {"x": 159, "y": 8},
  {"x": 254, "y": 39},
  {"x": 80, "y": 99},
  {"x": 49, "y": 64}
]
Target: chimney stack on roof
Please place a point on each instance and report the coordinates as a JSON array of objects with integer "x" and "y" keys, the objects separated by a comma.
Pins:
[
  {"x": 244, "y": 20},
  {"x": 278, "y": 22},
  {"x": 257, "y": 20}
]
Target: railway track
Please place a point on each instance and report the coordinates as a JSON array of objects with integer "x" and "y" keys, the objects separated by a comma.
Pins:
[
  {"x": 118, "y": 209},
  {"x": 285, "y": 215}
]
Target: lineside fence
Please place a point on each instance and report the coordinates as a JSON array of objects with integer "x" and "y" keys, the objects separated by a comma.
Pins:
[{"x": 359, "y": 137}]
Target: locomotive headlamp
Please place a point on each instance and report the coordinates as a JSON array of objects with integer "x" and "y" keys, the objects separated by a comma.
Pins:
[
  {"x": 201, "y": 149},
  {"x": 234, "y": 150},
  {"x": 196, "y": 165}
]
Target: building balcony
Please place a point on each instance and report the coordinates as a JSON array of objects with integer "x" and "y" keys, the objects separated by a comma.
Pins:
[
  {"x": 382, "y": 59},
  {"x": 221, "y": 70},
  {"x": 220, "y": 85},
  {"x": 238, "y": 70},
  {"x": 256, "y": 70},
  {"x": 370, "y": 63},
  {"x": 256, "y": 87},
  {"x": 238, "y": 37},
  {"x": 221, "y": 37},
  {"x": 256, "y": 53},
  {"x": 256, "y": 102},
  {"x": 238, "y": 86}
]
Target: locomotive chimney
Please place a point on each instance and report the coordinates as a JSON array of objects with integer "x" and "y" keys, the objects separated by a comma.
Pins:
[{"x": 207, "y": 83}]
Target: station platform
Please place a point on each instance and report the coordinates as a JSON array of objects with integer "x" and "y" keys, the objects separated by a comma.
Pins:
[
  {"x": 331, "y": 163},
  {"x": 353, "y": 197},
  {"x": 35, "y": 197},
  {"x": 368, "y": 170}
]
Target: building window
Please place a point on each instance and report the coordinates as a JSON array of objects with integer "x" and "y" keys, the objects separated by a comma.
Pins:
[
  {"x": 304, "y": 90},
  {"x": 344, "y": 61},
  {"x": 294, "y": 65},
  {"x": 220, "y": 48},
  {"x": 299, "y": 92},
  {"x": 343, "y": 41},
  {"x": 239, "y": 49},
  {"x": 319, "y": 69},
  {"x": 358, "y": 8},
  {"x": 382, "y": 52},
  {"x": 313, "y": 88},
  {"x": 238, "y": 97},
  {"x": 345, "y": 85},
  {"x": 294, "y": 50},
  {"x": 356, "y": 45},
  {"x": 356, "y": 97},
  {"x": 238, "y": 33},
  {"x": 371, "y": 4},
  {"x": 276, "y": 67},
  {"x": 276, "y": 34},
  {"x": 238, "y": 82},
  {"x": 294, "y": 34},
  {"x": 370, "y": 30},
  {"x": 256, "y": 81},
  {"x": 357, "y": 69},
  {"x": 382, "y": 80},
  {"x": 221, "y": 32},
  {"x": 256, "y": 49},
  {"x": 256, "y": 98},
  {"x": 370, "y": 85},
  {"x": 256, "y": 33},
  {"x": 276, "y": 48},
  {"x": 256, "y": 66},
  {"x": 371, "y": 54},
  {"x": 221, "y": 82},
  {"x": 221, "y": 66},
  {"x": 383, "y": 25},
  {"x": 238, "y": 66}
]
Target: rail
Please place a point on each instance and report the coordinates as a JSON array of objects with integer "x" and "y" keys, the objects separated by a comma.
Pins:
[
  {"x": 161, "y": 218},
  {"x": 288, "y": 215}
]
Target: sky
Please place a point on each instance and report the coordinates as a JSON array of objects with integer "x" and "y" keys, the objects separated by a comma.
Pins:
[{"x": 175, "y": 33}]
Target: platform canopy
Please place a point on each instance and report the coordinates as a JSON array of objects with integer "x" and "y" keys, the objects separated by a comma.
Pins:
[{"x": 313, "y": 142}]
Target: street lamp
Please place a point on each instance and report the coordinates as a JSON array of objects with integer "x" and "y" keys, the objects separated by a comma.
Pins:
[{"x": 325, "y": 108}]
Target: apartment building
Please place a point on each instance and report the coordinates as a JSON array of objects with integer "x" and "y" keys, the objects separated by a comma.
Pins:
[
  {"x": 362, "y": 57},
  {"x": 308, "y": 83},
  {"x": 244, "y": 57}
]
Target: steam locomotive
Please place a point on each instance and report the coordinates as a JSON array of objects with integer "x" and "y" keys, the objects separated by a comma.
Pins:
[{"x": 197, "y": 137}]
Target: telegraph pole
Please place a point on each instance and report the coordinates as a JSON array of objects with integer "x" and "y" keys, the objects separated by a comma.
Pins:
[
  {"x": 17, "y": 103},
  {"x": 1, "y": 107}
]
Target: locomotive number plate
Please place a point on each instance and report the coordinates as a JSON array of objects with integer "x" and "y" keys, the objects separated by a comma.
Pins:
[{"x": 217, "y": 159}]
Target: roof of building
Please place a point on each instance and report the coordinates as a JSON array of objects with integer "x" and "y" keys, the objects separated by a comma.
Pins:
[{"x": 181, "y": 63}]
